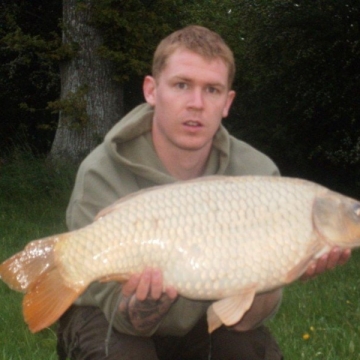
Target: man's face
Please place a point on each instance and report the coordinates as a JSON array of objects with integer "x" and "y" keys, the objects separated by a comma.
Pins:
[{"x": 190, "y": 96}]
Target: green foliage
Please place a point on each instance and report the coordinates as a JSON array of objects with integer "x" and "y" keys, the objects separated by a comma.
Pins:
[
  {"x": 26, "y": 50},
  {"x": 298, "y": 82},
  {"x": 131, "y": 31},
  {"x": 73, "y": 107},
  {"x": 29, "y": 77},
  {"x": 221, "y": 17}
]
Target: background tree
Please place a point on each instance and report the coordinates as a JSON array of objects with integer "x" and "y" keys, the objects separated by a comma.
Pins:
[
  {"x": 112, "y": 46},
  {"x": 29, "y": 76},
  {"x": 91, "y": 101}
]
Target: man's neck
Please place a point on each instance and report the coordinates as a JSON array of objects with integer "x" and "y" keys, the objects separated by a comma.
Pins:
[
  {"x": 184, "y": 164},
  {"x": 186, "y": 170}
]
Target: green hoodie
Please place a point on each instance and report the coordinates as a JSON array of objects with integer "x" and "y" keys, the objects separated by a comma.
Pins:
[{"x": 126, "y": 162}]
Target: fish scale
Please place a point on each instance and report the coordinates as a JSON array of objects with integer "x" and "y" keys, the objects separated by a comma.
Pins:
[{"x": 216, "y": 238}]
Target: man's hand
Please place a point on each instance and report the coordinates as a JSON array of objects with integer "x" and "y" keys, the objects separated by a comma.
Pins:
[
  {"x": 328, "y": 261},
  {"x": 144, "y": 302}
]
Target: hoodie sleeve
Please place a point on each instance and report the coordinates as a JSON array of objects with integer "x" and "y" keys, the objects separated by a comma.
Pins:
[{"x": 99, "y": 183}]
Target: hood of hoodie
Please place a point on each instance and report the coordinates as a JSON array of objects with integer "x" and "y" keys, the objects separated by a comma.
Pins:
[{"x": 129, "y": 143}]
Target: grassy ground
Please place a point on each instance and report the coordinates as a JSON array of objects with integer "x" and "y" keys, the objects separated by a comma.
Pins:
[
  {"x": 319, "y": 319},
  {"x": 33, "y": 199}
]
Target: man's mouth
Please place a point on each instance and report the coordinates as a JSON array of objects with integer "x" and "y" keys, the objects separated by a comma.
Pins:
[{"x": 193, "y": 123}]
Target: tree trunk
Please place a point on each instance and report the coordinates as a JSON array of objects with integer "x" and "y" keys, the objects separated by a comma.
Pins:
[{"x": 94, "y": 100}]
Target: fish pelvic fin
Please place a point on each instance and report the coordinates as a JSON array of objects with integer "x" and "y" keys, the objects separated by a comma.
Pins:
[
  {"x": 47, "y": 299},
  {"x": 21, "y": 270},
  {"x": 230, "y": 310},
  {"x": 213, "y": 320}
]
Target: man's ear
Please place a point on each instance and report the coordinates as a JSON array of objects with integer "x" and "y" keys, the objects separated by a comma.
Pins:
[
  {"x": 229, "y": 101},
  {"x": 149, "y": 90}
]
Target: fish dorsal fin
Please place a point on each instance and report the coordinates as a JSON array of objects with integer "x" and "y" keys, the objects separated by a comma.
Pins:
[{"x": 230, "y": 310}]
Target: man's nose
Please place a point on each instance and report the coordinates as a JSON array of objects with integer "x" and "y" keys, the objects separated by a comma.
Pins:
[{"x": 197, "y": 99}]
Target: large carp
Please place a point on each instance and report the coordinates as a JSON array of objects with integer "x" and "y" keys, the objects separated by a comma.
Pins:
[{"x": 218, "y": 238}]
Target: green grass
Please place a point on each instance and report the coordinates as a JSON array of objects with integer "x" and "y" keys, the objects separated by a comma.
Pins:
[
  {"x": 33, "y": 198},
  {"x": 320, "y": 319}
]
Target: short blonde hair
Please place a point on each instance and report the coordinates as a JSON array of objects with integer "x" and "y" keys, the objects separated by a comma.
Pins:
[{"x": 198, "y": 39}]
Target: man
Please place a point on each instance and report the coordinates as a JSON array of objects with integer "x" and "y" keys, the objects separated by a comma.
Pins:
[{"x": 177, "y": 135}]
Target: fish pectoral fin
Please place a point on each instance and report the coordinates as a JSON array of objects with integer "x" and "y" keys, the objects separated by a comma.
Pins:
[
  {"x": 230, "y": 310},
  {"x": 115, "y": 277},
  {"x": 47, "y": 300}
]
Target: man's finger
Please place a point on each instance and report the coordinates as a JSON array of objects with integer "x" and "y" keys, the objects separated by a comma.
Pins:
[
  {"x": 143, "y": 288},
  {"x": 333, "y": 258},
  {"x": 345, "y": 256},
  {"x": 130, "y": 286},
  {"x": 156, "y": 284},
  {"x": 171, "y": 292}
]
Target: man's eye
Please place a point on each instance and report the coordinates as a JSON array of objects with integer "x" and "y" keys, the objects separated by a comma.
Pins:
[
  {"x": 212, "y": 90},
  {"x": 181, "y": 85}
]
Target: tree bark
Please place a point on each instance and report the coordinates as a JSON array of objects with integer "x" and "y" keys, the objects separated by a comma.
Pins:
[{"x": 100, "y": 95}]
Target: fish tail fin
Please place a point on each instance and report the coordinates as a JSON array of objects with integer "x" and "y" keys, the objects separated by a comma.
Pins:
[
  {"x": 21, "y": 270},
  {"x": 35, "y": 272},
  {"x": 47, "y": 300}
]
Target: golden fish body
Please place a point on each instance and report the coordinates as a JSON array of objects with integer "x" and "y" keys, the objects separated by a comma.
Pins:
[
  {"x": 218, "y": 238},
  {"x": 210, "y": 238}
]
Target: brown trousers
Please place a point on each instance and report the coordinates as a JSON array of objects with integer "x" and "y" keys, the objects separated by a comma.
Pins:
[{"x": 82, "y": 333}]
